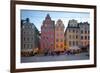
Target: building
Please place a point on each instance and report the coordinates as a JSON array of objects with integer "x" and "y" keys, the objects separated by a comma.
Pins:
[
  {"x": 59, "y": 36},
  {"x": 77, "y": 34},
  {"x": 72, "y": 34},
  {"x": 29, "y": 38},
  {"x": 84, "y": 34},
  {"x": 48, "y": 35}
]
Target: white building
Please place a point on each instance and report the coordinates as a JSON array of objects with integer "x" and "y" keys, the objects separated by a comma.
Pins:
[
  {"x": 29, "y": 37},
  {"x": 77, "y": 34}
]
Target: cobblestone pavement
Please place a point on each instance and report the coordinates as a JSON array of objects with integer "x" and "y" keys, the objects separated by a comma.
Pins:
[{"x": 81, "y": 56}]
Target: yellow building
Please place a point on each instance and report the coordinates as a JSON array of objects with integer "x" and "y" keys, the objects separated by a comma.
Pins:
[
  {"x": 59, "y": 36},
  {"x": 72, "y": 34}
]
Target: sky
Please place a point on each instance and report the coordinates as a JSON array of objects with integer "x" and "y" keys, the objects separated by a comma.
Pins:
[{"x": 36, "y": 17}]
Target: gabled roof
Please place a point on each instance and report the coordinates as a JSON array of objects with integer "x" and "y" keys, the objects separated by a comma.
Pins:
[{"x": 59, "y": 23}]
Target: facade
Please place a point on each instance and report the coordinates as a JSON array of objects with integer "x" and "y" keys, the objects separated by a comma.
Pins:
[
  {"x": 77, "y": 34},
  {"x": 72, "y": 34},
  {"x": 59, "y": 36},
  {"x": 84, "y": 34},
  {"x": 48, "y": 35},
  {"x": 29, "y": 38}
]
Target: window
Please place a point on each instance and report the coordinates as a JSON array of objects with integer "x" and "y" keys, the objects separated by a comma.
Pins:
[
  {"x": 24, "y": 32},
  {"x": 88, "y": 37},
  {"x": 85, "y": 31},
  {"x": 82, "y": 37},
  {"x": 76, "y": 36},
  {"x": 32, "y": 38},
  {"x": 85, "y": 37},
  {"x": 24, "y": 38},
  {"x": 81, "y": 31},
  {"x": 51, "y": 45},
  {"x": 73, "y": 31},
  {"x": 27, "y": 39},
  {"x": 88, "y": 31},
  {"x": 32, "y": 32}
]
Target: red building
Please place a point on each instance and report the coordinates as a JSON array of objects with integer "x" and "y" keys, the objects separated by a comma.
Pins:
[{"x": 48, "y": 35}]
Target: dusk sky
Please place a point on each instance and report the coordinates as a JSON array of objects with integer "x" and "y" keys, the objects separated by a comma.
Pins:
[{"x": 37, "y": 17}]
